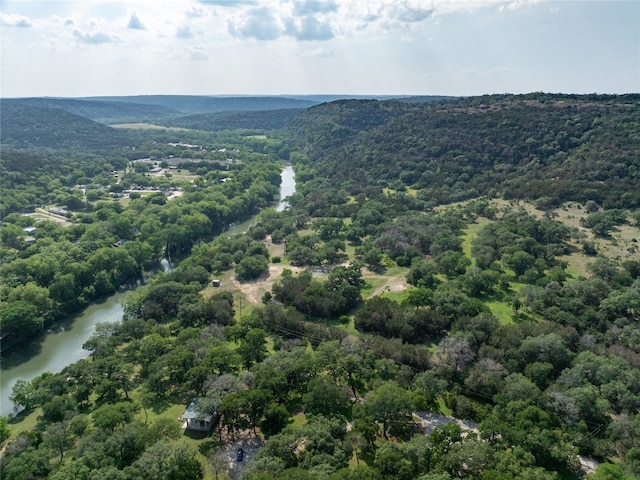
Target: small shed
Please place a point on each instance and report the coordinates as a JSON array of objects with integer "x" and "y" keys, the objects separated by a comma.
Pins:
[
  {"x": 215, "y": 283},
  {"x": 194, "y": 420}
]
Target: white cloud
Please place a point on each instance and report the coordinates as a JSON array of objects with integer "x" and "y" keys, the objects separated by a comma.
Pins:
[
  {"x": 310, "y": 7},
  {"x": 93, "y": 38},
  {"x": 229, "y": 3},
  {"x": 411, "y": 13},
  {"x": 198, "y": 53},
  {"x": 309, "y": 28},
  {"x": 373, "y": 45},
  {"x": 14, "y": 20},
  {"x": 258, "y": 23},
  {"x": 517, "y": 4},
  {"x": 184, "y": 32},
  {"x": 135, "y": 23},
  {"x": 303, "y": 20},
  {"x": 194, "y": 12}
]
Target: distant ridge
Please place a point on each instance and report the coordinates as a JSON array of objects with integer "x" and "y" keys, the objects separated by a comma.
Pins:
[
  {"x": 100, "y": 111},
  {"x": 163, "y": 109},
  {"x": 250, "y": 120},
  {"x": 27, "y": 126},
  {"x": 402, "y": 98},
  {"x": 191, "y": 104}
]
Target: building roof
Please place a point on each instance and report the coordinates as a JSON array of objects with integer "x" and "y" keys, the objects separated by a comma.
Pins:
[{"x": 192, "y": 414}]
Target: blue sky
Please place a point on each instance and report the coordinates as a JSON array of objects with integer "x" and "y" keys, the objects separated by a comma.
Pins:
[{"x": 365, "y": 47}]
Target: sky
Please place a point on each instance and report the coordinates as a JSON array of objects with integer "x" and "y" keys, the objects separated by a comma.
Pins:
[{"x": 70, "y": 48}]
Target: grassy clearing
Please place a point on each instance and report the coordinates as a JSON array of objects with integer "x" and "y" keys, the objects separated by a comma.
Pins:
[
  {"x": 350, "y": 251},
  {"x": 397, "y": 297},
  {"x": 299, "y": 420},
  {"x": 470, "y": 235},
  {"x": 25, "y": 424},
  {"x": 577, "y": 264},
  {"x": 371, "y": 286},
  {"x": 349, "y": 327},
  {"x": 502, "y": 311},
  {"x": 171, "y": 411},
  {"x": 443, "y": 409},
  {"x": 396, "y": 272}
]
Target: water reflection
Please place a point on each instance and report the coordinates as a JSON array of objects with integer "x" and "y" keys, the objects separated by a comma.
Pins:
[{"x": 52, "y": 351}]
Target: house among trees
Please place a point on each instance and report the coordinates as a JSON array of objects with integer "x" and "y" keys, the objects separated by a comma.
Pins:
[{"x": 195, "y": 420}]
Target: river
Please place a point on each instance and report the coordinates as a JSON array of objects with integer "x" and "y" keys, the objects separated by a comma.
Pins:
[
  {"x": 54, "y": 350},
  {"x": 287, "y": 188}
]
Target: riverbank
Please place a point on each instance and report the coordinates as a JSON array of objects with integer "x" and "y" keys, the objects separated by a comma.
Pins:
[{"x": 54, "y": 349}]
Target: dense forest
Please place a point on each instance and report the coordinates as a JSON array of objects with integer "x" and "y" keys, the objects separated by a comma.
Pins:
[{"x": 453, "y": 292}]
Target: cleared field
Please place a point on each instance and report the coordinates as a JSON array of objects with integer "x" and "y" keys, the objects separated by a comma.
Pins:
[{"x": 147, "y": 126}]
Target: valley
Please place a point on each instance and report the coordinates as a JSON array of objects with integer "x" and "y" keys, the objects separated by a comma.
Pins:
[{"x": 469, "y": 257}]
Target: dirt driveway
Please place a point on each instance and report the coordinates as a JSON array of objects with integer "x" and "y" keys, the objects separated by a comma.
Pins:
[{"x": 250, "y": 445}]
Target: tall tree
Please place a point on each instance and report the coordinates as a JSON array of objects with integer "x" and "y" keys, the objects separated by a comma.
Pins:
[{"x": 389, "y": 404}]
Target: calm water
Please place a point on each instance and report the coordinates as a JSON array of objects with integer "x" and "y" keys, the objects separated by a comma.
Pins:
[
  {"x": 54, "y": 350},
  {"x": 287, "y": 188}
]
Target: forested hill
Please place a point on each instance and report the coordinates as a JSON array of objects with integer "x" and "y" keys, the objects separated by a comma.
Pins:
[
  {"x": 155, "y": 108},
  {"x": 100, "y": 111},
  {"x": 26, "y": 126},
  {"x": 549, "y": 148},
  {"x": 191, "y": 104},
  {"x": 254, "y": 120}
]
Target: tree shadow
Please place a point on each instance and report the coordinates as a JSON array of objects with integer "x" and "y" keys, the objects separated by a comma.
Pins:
[
  {"x": 20, "y": 415},
  {"x": 209, "y": 446},
  {"x": 368, "y": 455},
  {"x": 378, "y": 269},
  {"x": 160, "y": 404},
  {"x": 195, "y": 434}
]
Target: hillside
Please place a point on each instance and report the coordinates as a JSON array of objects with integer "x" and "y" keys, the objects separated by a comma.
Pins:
[
  {"x": 253, "y": 120},
  {"x": 537, "y": 147},
  {"x": 100, "y": 111},
  {"x": 191, "y": 104},
  {"x": 27, "y": 126}
]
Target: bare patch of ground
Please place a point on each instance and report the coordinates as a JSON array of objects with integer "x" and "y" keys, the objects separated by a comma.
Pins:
[
  {"x": 254, "y": 290},
  {"x": 588, "y": 465},
  {"x": 430, "y": 420},
  {"x": 392, "y": 281},
  {"x": 395, "y": 284}
]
